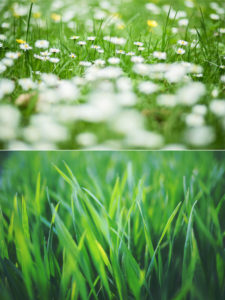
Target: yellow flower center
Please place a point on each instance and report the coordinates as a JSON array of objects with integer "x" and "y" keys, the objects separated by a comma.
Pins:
[
  {"x": 55, "y": 17},
  {"x": 152, "y": 23},
  {"x": 37, "y": 15},
  {"x": 120, "y": 26}
]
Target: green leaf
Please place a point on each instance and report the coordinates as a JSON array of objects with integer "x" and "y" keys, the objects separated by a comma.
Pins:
[
  {"x": 3, "y": 245},
  {"x": 37, "y": 195},
  {"x": 162, "y": 236},
  {"x": 25, "y": 223},
  {"x": 66, "y": 178},
  {"x": 71, "y": 248}
]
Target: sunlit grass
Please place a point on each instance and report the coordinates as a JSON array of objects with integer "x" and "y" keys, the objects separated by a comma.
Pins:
[{"x": 112, "y": 226}]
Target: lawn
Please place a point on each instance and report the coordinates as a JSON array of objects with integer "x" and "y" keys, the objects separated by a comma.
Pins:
[
  {"x": 112, "y": 225},
  {"x": 131, "y": 74}
]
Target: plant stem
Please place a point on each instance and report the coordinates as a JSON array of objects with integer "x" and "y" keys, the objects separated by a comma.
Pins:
[{"x": 28, "y": 22}]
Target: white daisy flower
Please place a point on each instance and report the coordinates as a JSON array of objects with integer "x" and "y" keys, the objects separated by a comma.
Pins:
[
  {"x": 54, "y": 60},
  {"x": 46, "y": 53},
  {"x": 117, "y": 40},
  {"x": 114, "y": 60},
  {"x": 148, "y": 87},
  {"x": 160, "y": 55},
  {"x": 3, "y": 37},
  {"x": 199, "y": 136},
  {"x": 138, "y": 44},
  {"x": 49, "y": 79},
  {"x": 91, "y": 38},
  {"x": 215, "y": 93},
  {"x": 175, "y": 73},
  {"x": 120, "y": 51},
  {"x": 130, "y": 53},
  {"x": 44, "y": 58},
  {"x": 194, "y": 44},
  {"x": 12, "y": 55},
  {"x": 174, "y": 30},
  {"x": 217, "y": 106},
  {"x": 38, "y": 57},
  {"x": 85, "y": 63},
  {"x": 141, "y": 69},
  {"x": 7, "y": 62},
  {"x": 182, "y": 43},
  {"x": 25, "y": 47},
  {"x": 74, "y": 37},
  {"x": 54, "y": 50},
  {"x": 95, "y": 47},
  {"x": 86, "y": 139},
  {"x": 2, "y": 68},
  {"x": 183, "y": 22},
  {"x": 99, "y": 62},
  {"x": 222, "y": 30},
  {"x": 189, "y": 3},
  {"x": 5, "y": 25},
  {"x": 124, "y": 84},
  {"x": 81, "y": 43},
  {"x": 199, "y": 109},
  {"x": 194, "y": 120},
  {"x": 99, "y": 15},
  {"x": 180, "y": 51},
  {"x": 191, "y": 93},
  {"x": 214, "y": 17},
  {"x": 9, "y": 122},
  {"x": 72, "y": 55},
  {"x": 67, "y": 90},
  {"x": 193, "y": 31},
  {"x": 168, "y": 100},
  {"x": 20, "y": 10},
  {"x": 27, "y": 84},
  {"x": 143, "y": 138},
  {"x": 42, "y": 44},
  {"x": 7, "y": 86},
  {"x": 153, "y": 8},
  {"x": 137, "y": 59},
  {"x": 44, "y": 128}
]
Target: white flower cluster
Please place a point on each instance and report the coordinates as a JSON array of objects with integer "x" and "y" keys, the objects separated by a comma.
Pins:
[{"x": 101, "y": 74}]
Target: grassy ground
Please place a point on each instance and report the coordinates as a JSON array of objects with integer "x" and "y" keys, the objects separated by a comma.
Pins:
[
  {"x": 95, "y": 100},
  {"x": 112, "y": 226}
]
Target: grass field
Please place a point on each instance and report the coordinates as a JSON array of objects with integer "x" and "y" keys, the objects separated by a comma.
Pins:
[
  {"x": 112, "y": 225},
  {"x": 112, "y": 74}
]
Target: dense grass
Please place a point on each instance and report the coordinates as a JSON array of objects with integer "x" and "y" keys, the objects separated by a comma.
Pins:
[
  {"x": 88, "y": 116},
  {"x": 112, "y": 226}
]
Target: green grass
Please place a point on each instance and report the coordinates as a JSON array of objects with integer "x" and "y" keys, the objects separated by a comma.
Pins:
[
  {"x": 168, "y": 122},
  {"x": 109, "y": 225}
]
